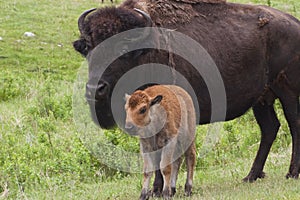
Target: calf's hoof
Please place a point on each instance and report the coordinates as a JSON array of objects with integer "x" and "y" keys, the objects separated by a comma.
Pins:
[
  {"x": 166, "y": 194},
  {"x": 188, "y": 190},
  {"x": 145, "y": 195},
  {"x": 252, "y": 176}
]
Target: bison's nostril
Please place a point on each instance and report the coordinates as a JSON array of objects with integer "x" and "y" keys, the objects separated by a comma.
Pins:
[
  {"x": 102, "y": 90},
  {"x": 90, "y": 91},
  {"x": 96, "y": 92},
  {"x": 88, "y": 94}
]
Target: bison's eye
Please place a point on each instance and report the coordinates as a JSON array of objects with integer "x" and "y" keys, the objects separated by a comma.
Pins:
[
  {"x": 124, "y": 51},
  {"x": 121, "y": 49},
  {"x": 143, "y": 110}
]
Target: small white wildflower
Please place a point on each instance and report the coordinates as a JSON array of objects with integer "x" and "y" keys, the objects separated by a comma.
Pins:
[{"x": 29, "y": 34}]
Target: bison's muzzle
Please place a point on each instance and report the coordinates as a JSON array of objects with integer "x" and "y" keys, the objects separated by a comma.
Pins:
[{"x": 97, "y": 92}]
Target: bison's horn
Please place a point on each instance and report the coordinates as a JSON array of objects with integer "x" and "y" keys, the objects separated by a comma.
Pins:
[
  {"x": 82, "y": 18},
  {"x": 148, "y": 24},
  {"x": 147, "y": 17}
]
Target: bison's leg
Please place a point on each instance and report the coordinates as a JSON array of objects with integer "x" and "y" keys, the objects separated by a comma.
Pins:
[
  {"x": 190, "y": 156},
  {"x": 148, "y": 171},
  {"x": 110, "y": 1},
  {"x": 158, "y": 183},
  {"x": 291, "y": 107},
  {"x": 269, "y": 125}
]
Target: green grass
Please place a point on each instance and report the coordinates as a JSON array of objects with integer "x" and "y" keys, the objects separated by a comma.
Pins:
[{"x": 41, "y": 153}]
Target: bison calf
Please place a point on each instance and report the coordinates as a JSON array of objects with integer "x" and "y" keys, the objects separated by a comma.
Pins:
[{"x": 163, "y": 116}]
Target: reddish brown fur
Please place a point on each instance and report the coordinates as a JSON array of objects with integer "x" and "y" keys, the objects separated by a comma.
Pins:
[
  {"x": 170, "y": 103},
  {"x": 137, "y": 98},
  {"x": 179, "y": 127}
]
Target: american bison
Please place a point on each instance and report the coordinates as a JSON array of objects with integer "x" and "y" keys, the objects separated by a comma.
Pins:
[
  {"x": 256, "y": 49},
  {"x": 164, "y": 118}
]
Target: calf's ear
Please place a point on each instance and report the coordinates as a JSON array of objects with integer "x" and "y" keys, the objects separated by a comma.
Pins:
[
  {"x": 126, "y": 97},
  {"x": 156, "y": 100}
]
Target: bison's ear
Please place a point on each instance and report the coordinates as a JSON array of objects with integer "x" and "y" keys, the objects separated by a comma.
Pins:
[
  {"x": 80, "y": 46},
  {"x": 127, "y": 96},
  {"x": 156, "y": 100}
]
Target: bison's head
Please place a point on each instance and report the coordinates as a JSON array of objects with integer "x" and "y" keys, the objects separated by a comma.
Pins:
[{"x": 95, "y": 26}]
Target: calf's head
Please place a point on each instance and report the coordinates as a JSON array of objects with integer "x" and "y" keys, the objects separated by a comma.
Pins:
[
  {"x": 95, "y": 26},
  {"x": 138, "y": 110}
]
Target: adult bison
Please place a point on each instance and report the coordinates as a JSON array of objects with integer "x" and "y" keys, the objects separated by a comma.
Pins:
[{"x": 256, "y": 49}]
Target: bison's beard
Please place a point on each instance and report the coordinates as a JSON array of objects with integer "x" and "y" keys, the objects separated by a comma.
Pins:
[{"x": 101, "y": 114}]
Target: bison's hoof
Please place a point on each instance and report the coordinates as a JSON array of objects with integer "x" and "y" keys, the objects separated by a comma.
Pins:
[
  {"x": 254, "y": 176},
  {"x": 188, "y": 190},
  {"x": 173, "y": 191},
  {"x": 156, "y": 192},
  {"x": 292, "y": 175}
]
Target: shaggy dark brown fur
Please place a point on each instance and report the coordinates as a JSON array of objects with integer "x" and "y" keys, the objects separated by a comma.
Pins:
[
  {"x": 256, "y": 50},
  {"x": 168, "y": 12}
]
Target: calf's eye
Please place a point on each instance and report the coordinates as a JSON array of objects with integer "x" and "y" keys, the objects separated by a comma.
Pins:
[{"x": 143, "y": 110}]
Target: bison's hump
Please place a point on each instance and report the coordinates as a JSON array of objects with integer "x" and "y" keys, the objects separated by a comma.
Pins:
[
  {"x": 168, "y": 12},
  {"x": 204, "y": 1}
]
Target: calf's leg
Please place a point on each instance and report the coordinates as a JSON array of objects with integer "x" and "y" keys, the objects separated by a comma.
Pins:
[
  {"x": 148, "y": 171},
  {"x": 166, "y": 171},
  {"x": 190, "y": 158},
  {"x": 269, "y": 125},
  {"x": 174, "y": 175},
  {"x": 166, "y": 167}
]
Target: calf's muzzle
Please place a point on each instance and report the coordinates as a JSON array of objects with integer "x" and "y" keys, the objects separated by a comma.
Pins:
[{"x": 130, "y": 128}]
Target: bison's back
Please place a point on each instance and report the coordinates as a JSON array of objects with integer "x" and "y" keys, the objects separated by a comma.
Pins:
[{"x": 251, "y": 46}]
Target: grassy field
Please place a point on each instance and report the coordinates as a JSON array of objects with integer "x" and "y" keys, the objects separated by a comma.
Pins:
[{"x": 41, "y": 153}]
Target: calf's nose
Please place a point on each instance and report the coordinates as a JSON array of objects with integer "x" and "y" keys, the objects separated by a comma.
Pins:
[{"x": 129, "y": 126}]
